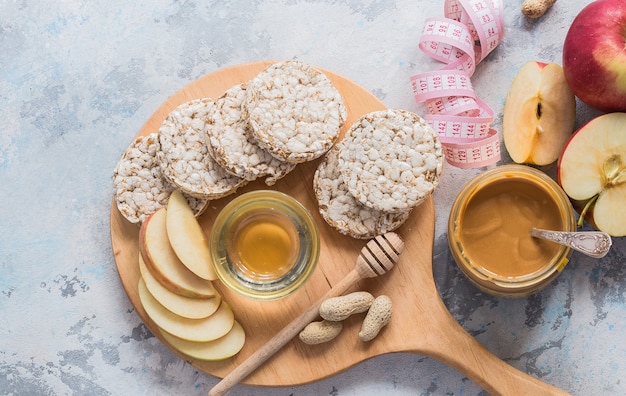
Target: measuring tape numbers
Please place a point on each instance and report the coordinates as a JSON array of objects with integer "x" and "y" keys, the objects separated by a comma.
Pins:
[{"x": 468, "y": 32}]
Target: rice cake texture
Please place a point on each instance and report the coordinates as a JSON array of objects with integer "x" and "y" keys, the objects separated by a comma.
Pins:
[
  {"x": 140, "y": 187},
  {"x": 391, "y": 160},
  {"x": 294, "y": 111},
  {"x": 342, "y": 211},
  {"x": 232, "y": 145},
  {"x": 184, "y": 155}
]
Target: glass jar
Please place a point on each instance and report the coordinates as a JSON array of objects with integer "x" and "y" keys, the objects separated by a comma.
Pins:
[
  {"x": 264, "y": 245},
  {"x": 489, "y": 230}
]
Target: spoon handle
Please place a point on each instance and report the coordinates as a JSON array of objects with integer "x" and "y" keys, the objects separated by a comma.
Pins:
[
  {"x": 592, "y": 243},
  {"x": 272, "y": 346}
]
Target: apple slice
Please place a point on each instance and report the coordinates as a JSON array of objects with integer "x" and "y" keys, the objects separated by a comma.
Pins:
[
  {"x": 163, "y": 263},
  {"x": 222, "y": 348},
  {"x": 592, "y": 171},
  {"x": 192, "y": 308},
  {"x": 539, "y": 114},
  {"x": 187, "y": 237},
  {"x": 199, "y": 330}
]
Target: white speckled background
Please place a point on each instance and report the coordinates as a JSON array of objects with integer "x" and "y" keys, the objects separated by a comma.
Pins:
[{"x": 78, "y": 79}]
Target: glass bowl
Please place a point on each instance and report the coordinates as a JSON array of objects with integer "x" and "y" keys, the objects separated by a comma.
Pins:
[
  {"x": 264, "y": 245},
  {"x": 489, "y": 230}
]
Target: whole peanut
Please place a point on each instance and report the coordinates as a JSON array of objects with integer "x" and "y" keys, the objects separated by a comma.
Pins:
[
  {"x": 377, "y": 317},
  {"x": 320, "y": 332},
  {"x": 536, "y": 8},
  {"x": 339, "y": 308}
]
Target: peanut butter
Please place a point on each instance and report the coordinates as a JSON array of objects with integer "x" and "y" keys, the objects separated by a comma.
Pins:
[
  {"x": 495, "y": 227},
  {"x": 489, "y": 230}
]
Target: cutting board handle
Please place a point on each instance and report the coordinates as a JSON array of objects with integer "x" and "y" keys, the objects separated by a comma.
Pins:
[{"x": 453, "y": 346}]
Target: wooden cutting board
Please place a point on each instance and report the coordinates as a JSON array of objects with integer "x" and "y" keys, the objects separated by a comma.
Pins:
[{"x": 420, "y": 324}]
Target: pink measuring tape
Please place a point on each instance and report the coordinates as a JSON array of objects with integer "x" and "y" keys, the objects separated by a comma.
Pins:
[{"x": 470, "y": 30}]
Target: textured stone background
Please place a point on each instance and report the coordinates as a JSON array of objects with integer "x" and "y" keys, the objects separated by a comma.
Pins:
[{"x": 78, "y": 79}]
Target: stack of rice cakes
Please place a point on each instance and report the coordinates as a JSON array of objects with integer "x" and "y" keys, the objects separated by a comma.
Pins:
[
  {"x": 141, "y": 188},
  {"x": 367, "y": 184},
  {"x": 288, "y": 114},
  {"x": 388, "y": 163}
]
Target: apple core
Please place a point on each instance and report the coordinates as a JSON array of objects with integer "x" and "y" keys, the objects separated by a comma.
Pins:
[{"x": 592, "y": 171}]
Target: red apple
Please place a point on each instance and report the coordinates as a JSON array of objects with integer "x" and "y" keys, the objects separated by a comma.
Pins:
[
  {"x": 594, "y": 59},
  {"x": 592, "y": 171}
]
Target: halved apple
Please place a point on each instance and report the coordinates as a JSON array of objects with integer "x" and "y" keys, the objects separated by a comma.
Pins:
[
  {"x": 592, "y": 171},
  {"x": 222, "y": 348},
  {"x": 192, "y": 308},
  {"x": 539, "y": 114},
  {"x": 163, "y": 262},
  {"x": 187, "y": 237},
  {"x": 199, "y": 330}
]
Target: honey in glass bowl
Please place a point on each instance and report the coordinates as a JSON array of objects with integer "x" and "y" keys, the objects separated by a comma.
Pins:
[{"x": 264, "y": 245}]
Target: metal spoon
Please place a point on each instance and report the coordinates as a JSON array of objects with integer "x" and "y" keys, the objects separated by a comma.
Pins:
[{"x": 592, "y": 243}]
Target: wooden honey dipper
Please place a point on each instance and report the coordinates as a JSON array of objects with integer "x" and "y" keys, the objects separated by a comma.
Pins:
[{"x": 376, "y": 258}]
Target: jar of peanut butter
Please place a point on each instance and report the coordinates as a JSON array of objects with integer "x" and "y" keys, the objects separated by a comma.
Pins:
[{"x": 489, "y": 230}]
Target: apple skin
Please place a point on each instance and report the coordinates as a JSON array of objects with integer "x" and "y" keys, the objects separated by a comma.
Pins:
[{"x": 594, "y": 60}]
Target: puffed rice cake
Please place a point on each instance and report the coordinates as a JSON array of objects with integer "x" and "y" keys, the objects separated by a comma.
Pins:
[
  {"x": 140, "y": 188},
  {"x": 342, "y": 211},
  {"x": 391, "y": 160},
  {"x": 232, "y": 145},
  {"x": 294, "y": 111},
  {"x": 185, "y": 158}
]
